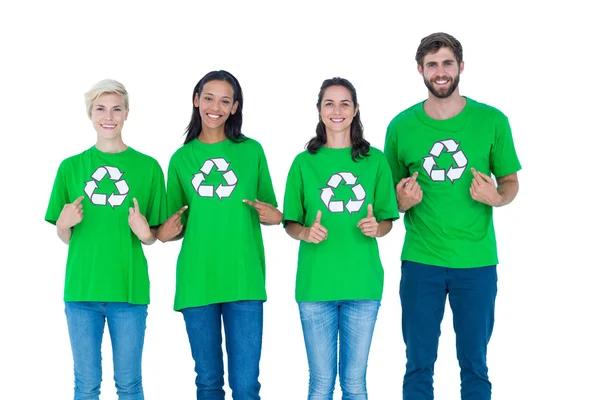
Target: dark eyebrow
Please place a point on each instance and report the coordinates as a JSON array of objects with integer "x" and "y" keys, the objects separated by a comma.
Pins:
[
  {"x": 210, "y": 94},
  {"x": 341, "y": 101}
]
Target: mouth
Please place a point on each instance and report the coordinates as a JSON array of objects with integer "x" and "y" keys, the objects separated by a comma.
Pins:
[
  {"x": 108, "y": 127},
  {"x": 213, "y": 117},
  {"x": 337, "y": 120},
  {"x": 442, "y": 82}
]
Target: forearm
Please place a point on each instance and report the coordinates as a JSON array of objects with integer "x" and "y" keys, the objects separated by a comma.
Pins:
[
  {"x": 150, "y": 238},
  {"x": 384, "y": 228},
  {"x": 64, "y": 234},
  {"x": 508, "y": 191},
  {"x": 160, "y": 235},
  {"x": 295, "y": 230}
]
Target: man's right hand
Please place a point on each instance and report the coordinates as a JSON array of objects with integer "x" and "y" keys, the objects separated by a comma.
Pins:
[{"x": 408, "y": 193}]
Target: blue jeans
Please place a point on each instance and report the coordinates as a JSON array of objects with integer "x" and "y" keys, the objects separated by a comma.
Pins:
[
  {"x": 354, "y": 321},
  {"x": 243, "y": 323},
  {"x": 472, "y": 295},
  {"x": 127, "y": 326}
]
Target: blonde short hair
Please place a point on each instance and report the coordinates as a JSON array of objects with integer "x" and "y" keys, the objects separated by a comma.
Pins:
[{"x": 103, "y": 87}]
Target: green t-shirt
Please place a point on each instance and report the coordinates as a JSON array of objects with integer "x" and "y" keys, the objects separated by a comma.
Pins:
[
  {"x": 448, "y": 228},
  {"x": 105, "y": 260},
  {"x": 222, "y": 255},
  {"x": 346, "y": 265}
]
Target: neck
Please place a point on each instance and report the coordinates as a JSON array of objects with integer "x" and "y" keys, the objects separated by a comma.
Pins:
[
  {"x": 114, "y": 145},
  {"x": 449, "y": 107},
  {"x": 338, "y": 140},
  {"x": 210, "y": 135}
]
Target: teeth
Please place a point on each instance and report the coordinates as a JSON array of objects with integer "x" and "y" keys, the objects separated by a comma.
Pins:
[
  {"x": 337, "y": 119},
  {"x": 108, "y": 126},
  {"x": 213, "y": 116}
]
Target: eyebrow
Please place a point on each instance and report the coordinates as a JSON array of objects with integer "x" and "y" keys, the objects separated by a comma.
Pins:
[
  {"x": 102, "y": 105},
  {"x": 341, "y": 101},
  {"x": 225, "y": 97}
]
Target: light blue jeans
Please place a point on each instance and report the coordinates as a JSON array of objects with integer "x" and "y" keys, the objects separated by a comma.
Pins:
[
  {"x": 127, "y": 326},
  {"x": 322, "y": 322}
]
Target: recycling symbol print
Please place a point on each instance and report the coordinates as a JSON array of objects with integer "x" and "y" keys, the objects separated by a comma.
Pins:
[
  {"x": 206, "y": 190},
  {"x": 102, "y": 199},
  {"x": 337, "y": 206},
  {"x": 455, "y": 170}
]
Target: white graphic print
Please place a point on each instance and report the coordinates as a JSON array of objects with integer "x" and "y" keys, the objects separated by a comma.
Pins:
[
  {"x": 453, "y": 173},
  {"x": 205, "y": 190},
  {"x": 337, "y": 206},
  {"x": 100, "y": 199}
]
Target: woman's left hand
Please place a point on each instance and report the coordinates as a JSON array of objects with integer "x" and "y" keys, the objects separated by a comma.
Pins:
[
  {"x": 369, "y": 225},
  {"x": 267, "y": 214},
  {"x": 139, "y": 225}
]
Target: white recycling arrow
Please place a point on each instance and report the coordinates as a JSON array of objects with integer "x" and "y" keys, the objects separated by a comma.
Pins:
[
  {"x": 438, "y": 175},
  {"x": 207, "y": 166},
  {"x": 437, "y": 148},
  {"x": 334, "y": 181},
  {"x": 326, "y": 195},
  {"x": 455, "y": 173},
  {"x": 336, "y": 206},
  {"x": 230, "y": 177},
  {"x": 460, "y": 159},
  {"x": 353, "y": 205},
  {"x": 99, "y": 174},
  {"x": 221, "y": 164},
  {"x": 348, "y": 178},
  {"x": 197, "y": 180},
  {"x": 122, "y": 187},
  {"x": 206, "y": 191},
  {"x": 450, "y": 144},
  {"x": 90, "y": 186},
  {"x": 428, "y": 164},
  {"x": 116, "y": 199},
  {"x": 224, "y": 191},
  {"x": 114, "y": 173},
  {"x": 98, "y": 199}
]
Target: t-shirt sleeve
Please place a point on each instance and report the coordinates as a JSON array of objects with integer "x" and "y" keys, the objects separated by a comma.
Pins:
[
  {"x": 265, "y": 190},
  {"x": 59, "y": 195},
  {"x": 156, "y": 213},
  {"x": 504, "y": 160},
  {"x": 175, "y": 193},
  {"x": 385, "y": 206},
  {"x": 393, "y": 156},
  {"x": 293, "y": 201}
]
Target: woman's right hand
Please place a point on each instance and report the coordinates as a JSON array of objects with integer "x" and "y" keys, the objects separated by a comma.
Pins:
[
  {"x": 171, "y": 227},
  {"x": 71, "y": 215},
  {"x": 316, "y": 233}
]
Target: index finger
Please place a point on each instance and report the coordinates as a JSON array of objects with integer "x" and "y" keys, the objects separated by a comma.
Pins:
[
  {"x": 78, "y": 201},
  {"x": 250, "y": 203},
  {"x": 136, "y": 206},
  {"x": 178, "y": 213}
]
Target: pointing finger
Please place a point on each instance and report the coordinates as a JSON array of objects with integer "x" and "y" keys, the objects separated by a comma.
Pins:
[
  {"x": 318, "y": 219},
  {"x": 78, "y": 201},
  {"x": 136, "y": 206},
  {"x": 250, "y": 203},
  {"x": 369, "y": 210},
  {"x": 178, "y": 213}
]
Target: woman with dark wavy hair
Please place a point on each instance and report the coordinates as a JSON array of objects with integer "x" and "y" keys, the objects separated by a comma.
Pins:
[
  {"x": 221, "y": 265},
  {"x": 339, "y": 197}
]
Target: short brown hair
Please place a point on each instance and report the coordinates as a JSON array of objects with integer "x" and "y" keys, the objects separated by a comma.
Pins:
[{"x": 434, "y": 42}]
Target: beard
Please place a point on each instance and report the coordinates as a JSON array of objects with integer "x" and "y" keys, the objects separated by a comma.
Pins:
[{"x": 443, "y": 93}]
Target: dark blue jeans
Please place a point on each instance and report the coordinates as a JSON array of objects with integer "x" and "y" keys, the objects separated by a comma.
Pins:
[
  {"x": 126, "y": 325},
  {"x": 472, "y": 296},
  {"x": 243, "y": 323}
]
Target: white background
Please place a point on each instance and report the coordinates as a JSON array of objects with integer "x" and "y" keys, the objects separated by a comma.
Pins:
[{"x": 536, "y": 62}]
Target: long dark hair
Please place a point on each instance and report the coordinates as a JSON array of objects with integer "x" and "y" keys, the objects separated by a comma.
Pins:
[
  {"x": 233, "y": 125},
  {"x": 360, "y": 147}
]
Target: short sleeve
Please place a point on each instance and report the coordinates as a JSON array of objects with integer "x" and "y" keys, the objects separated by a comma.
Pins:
[
  {"x": 156, "y": 213},
  {"x": 392, "y": 154},
  {"x": 59, "y": 195},
  {"x": 175, "y": 193},
  {"x": 293, "y": 202},
  {"x": 385, "y": 206},
  {"x": 504, "y": 160},
  {"x": 265, "y": 192}
]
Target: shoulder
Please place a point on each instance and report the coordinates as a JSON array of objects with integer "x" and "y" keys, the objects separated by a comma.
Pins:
[
  {"x": 406, "y": 116},
  {"x": 486, "y": 110},
  {"x": 74, "y": 160},
  {"x": 251, "y": 144},
  {"x": 143, "y": 158},
  {"x": 181, "y": 152}
]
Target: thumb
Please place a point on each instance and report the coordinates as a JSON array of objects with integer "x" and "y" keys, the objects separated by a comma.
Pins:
[
  {"x": 136, "y": 206},
  {"x": 369, "y": 210},
  {"x": 318, "y": 219}
]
